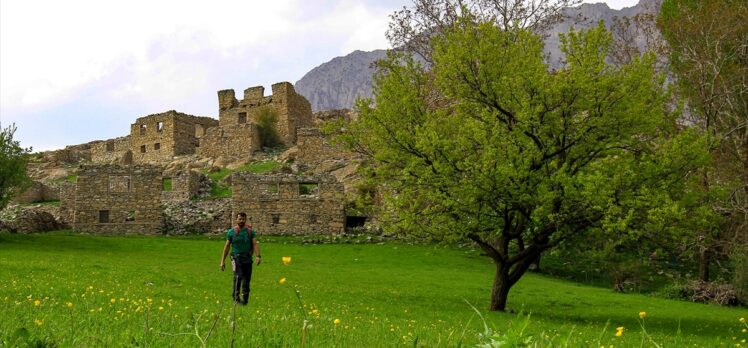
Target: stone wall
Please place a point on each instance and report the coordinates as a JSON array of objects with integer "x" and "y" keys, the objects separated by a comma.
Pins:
[
  {"x": 185, "y": 184},
  {"x": 70, "y": 154},
  {"x": 314, "y": 147},
  {"x": 67, "y": 202},
  {"x": 290, "y": 204},
  {"x": 321, "y": 117},
  {"x": 111, "y": 150},
  {"x": 159, "y": 137},
  {"x": 118, "y": 199},
  {"x": 38, "y": 192},
  {"x": 293, "y": 109},
  {"x": 238, "y": 141}
]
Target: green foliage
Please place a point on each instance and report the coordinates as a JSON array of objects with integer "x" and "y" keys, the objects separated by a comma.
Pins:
[
  {"x": 259, "y": 167},
  {"x": 420, "y": 296},
  {"x": 217, "y": 187},
  {"x": 166, "y": 184},
  {"x": 267, "y": 121},
  {"x": 13, "y": 160},
  {"x": 492, "y": 146}
]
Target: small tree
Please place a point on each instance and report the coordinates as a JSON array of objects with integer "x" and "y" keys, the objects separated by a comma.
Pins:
[
  {"x": 489, "y": 145},
  {"x": 267, "y": 122},
  {"x": 13, "y": 160}
]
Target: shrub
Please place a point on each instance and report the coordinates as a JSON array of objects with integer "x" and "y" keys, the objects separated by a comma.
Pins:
[{"x": 267, "y": 120}]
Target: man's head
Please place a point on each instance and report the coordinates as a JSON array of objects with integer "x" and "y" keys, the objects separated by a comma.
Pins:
[{"x": 241, "y": 219}]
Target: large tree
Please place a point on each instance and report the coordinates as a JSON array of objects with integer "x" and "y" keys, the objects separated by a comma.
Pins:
[
  {"x": 489, "y": 145},
  {"x": 412, "y": 28},
  {"x": 708, "y": 43},
  {"x": 13, "y": 159}
]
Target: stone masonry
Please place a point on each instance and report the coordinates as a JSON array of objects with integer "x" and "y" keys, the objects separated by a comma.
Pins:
[
  {"x": 185, "y": 184},
  {"x": 38, "y": 192},
  {"x": 117, "y": 199},
  {"x": 290, "y": 204},
  {"x": 160, "y": 137},
  {"x": 293, "y": 109},
  {"x": 314, "y": 147},
  {"x": 110, "y": 151},
  {"x": 238, "y": 141}
]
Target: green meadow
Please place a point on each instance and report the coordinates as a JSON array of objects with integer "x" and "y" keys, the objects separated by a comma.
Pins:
[{"x": 73, "y": 290}]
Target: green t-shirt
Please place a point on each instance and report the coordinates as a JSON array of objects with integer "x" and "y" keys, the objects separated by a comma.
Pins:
[{"x": 241, "y": 243}]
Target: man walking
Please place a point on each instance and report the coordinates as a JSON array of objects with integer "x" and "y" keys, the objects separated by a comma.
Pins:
[{"x": 243, "y": 242}]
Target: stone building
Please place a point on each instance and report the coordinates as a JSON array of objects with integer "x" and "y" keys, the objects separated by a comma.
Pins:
[
  {"x": 111, "y": 150},
  {"x": 182, "y": 186},
  {"x": 292, "y": 109},
  {"x": 238, "y": 141},
  {"x": 160, "y": 137},
  {"x": 290, "y": 204},
  {"x": 116, "y": 199},
  {"x": 314, "y": 147}
]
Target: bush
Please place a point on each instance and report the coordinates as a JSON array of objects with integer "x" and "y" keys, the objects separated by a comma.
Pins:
[
  {"x": 703, "y": 292},
  {"x": 267, "y": 120}
]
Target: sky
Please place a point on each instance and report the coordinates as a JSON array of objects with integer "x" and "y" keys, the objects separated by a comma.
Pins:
[{"x": 75, "y": 71}]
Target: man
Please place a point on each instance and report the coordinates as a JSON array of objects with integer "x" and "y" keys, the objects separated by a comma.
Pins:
[{"x": 243, "y": 242}]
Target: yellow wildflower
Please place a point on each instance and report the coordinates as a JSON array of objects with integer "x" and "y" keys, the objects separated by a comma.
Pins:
[
  {"x": 336, "y": 321},
  {"x": 70, "y": 305},
  {"x": 619, "y": 331},
  {"x": 160, "y": 308},
  {"x": 286, "y": 260},
  {"x": 113, "y": 300},
  {"x": 38, "y": 322},
  {"x": 742, "y": 320},
  {"x": 37, "y": 302},
  {"x": 642, "y": 314},
  {"x": 282, "y": 281}
]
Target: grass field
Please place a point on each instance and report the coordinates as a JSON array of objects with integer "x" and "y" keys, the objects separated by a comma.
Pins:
[{"x": 75, "y": 290}]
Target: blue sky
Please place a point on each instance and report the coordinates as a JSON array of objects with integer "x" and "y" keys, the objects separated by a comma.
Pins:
[{"x": 75, "y": 71}]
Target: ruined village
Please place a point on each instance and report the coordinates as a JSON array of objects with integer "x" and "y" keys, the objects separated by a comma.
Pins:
[{"x": 154, "y": 179}]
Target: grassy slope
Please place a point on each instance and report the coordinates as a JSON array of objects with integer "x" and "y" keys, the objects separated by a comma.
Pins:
[{"x": 384, "y": 295}]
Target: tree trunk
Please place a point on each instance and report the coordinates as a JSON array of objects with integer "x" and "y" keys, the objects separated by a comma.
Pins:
[
  {"x": 500, "y": 290},
  {"x": 704, "y": 260}
]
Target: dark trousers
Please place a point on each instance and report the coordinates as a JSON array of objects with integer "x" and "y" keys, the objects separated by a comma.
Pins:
[{"x": 242, "y": 266}]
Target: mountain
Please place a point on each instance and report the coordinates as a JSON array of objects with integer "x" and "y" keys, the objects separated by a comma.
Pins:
[{"x": 337, "y": 83}]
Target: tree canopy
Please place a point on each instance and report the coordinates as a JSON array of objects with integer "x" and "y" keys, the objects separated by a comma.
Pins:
[
  {"x": 13, "y": 159},
  {"x": 490, "y": 145}
]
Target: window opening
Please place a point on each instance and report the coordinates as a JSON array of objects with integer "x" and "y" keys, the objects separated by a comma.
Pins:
[
  {"x": 130, "y": 216},
  {"x": 276, "y": 219},
  {"x": 110, "y": 146},
  {"x": 159, "y": 127},
  {"x": 242, "y": 117},
  {"x": 142, "y": 148},
  {"x": 157, "y": 146},
  {"x": 142, "y": 129},
  {"x": 103, "y": 216},
  {"x": 309, "y": 189},
  {"x": 166, "y": 184},
  {"x": 119, "y": 183}
]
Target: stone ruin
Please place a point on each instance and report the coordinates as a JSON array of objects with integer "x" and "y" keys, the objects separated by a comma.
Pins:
[
  {"x": 290, "y": 204},
  {"x": 116, "y": 199},
  {"x": 127, "y": 186}
]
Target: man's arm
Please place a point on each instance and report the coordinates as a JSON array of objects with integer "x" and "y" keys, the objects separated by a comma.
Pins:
[
  {"x": 256, "y": 247},
  {"x": 225, "y": 252}
]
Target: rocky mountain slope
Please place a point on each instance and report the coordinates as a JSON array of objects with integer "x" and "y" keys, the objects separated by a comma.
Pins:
[{"x": 337, "y": 83}]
